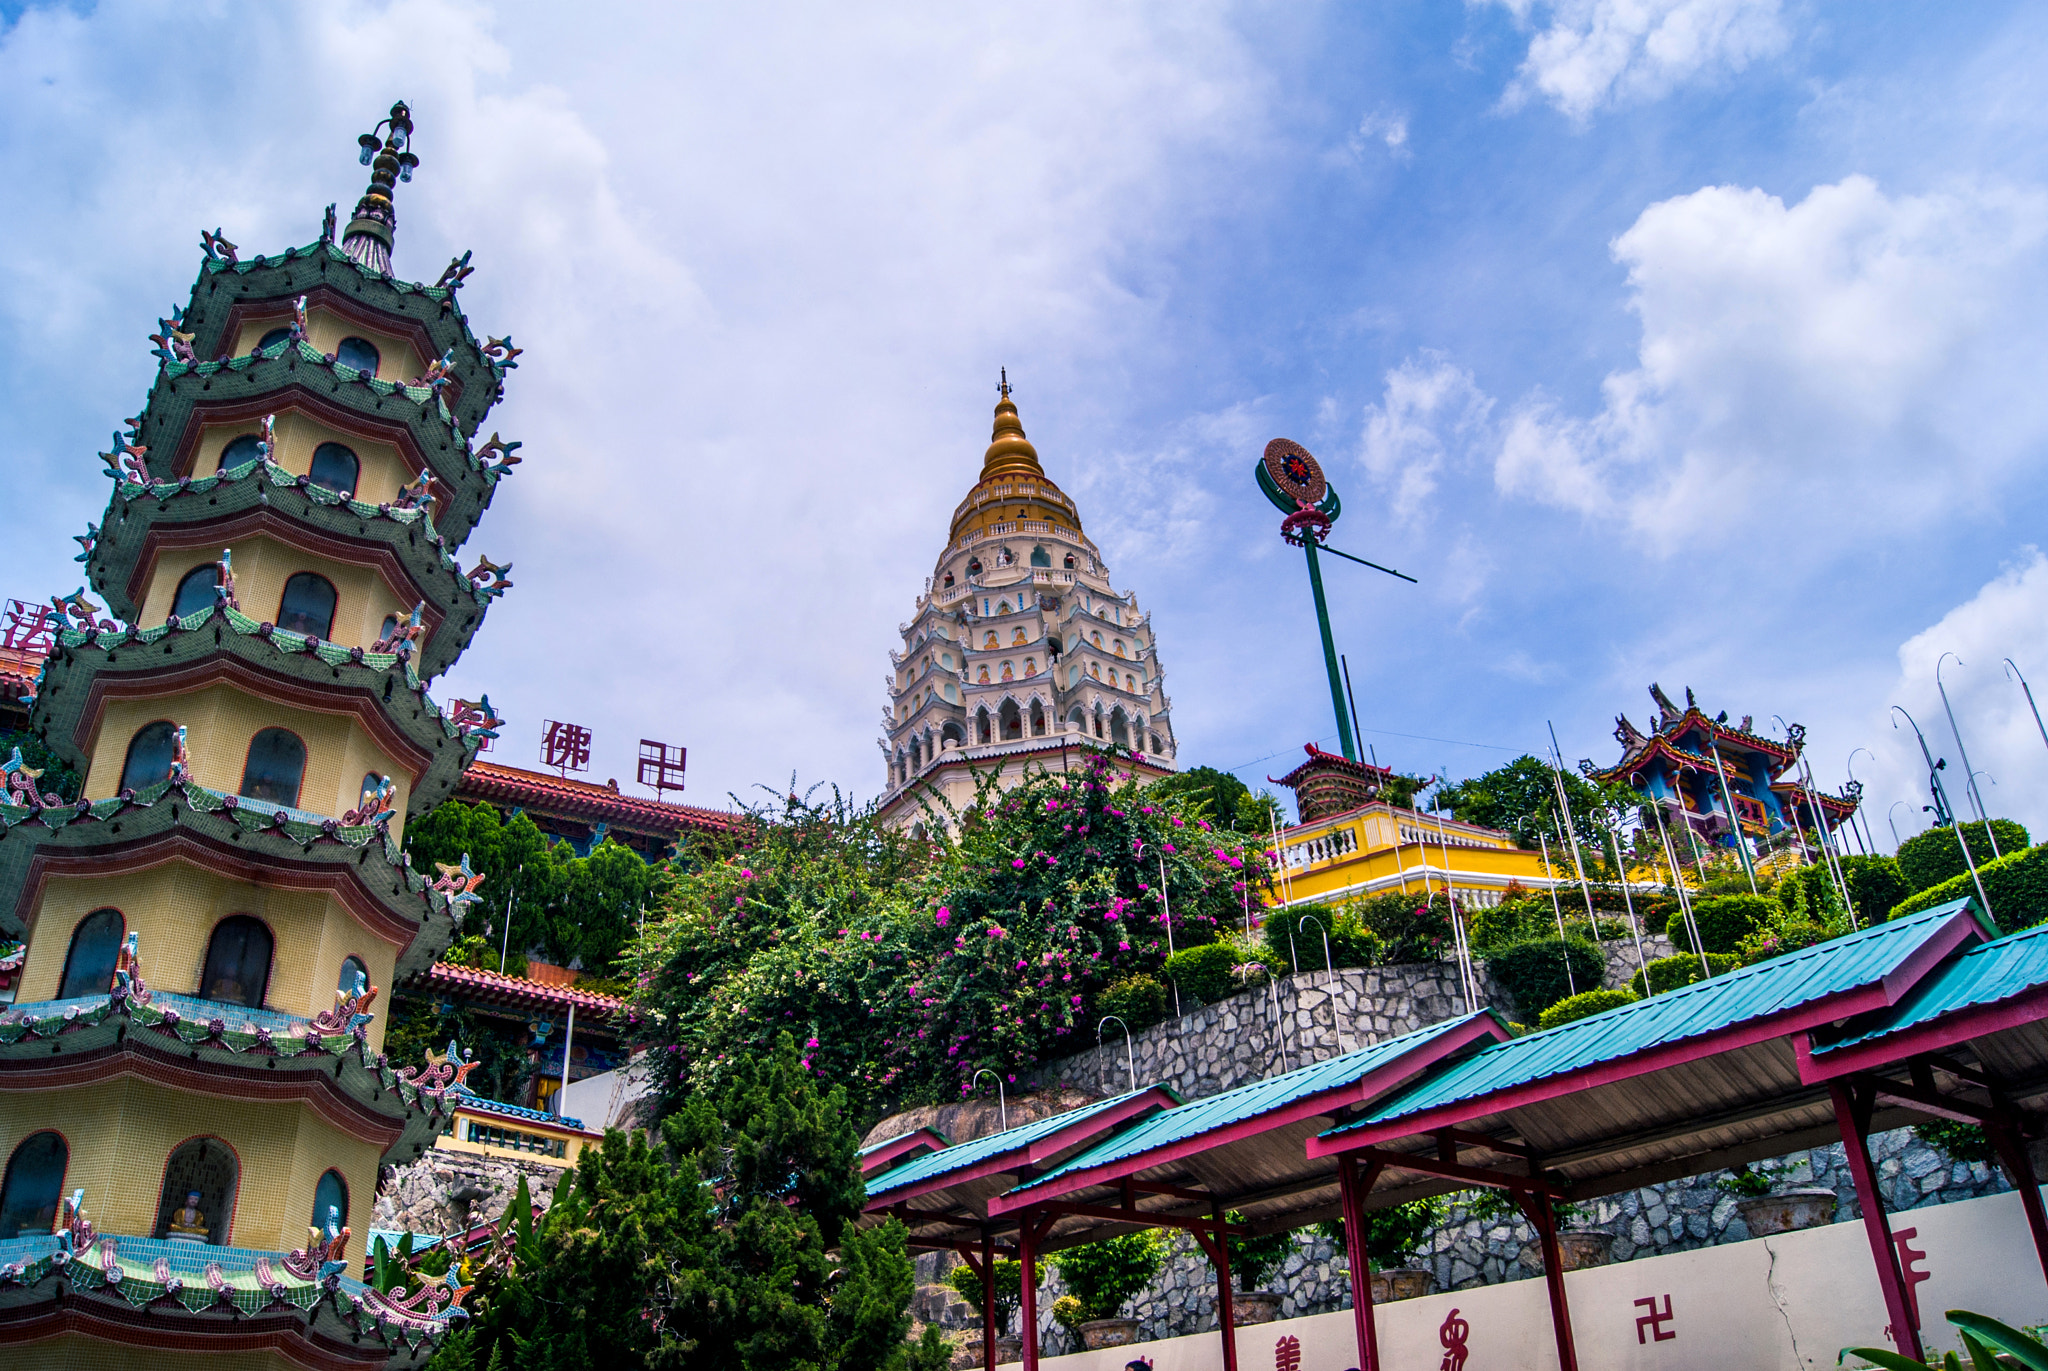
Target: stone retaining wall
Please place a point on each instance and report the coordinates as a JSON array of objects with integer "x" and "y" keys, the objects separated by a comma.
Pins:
[{"x": 450, "y": 1192}]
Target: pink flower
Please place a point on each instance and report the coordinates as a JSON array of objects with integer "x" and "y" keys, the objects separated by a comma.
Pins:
[
  {"x": 1123, "y": 947},
  {"x": 943, "y": 916},
  {"x": 1168, "y": 848},
  {"x": 813, "y": 1042},
  {"x": 1017, "y": 862}
]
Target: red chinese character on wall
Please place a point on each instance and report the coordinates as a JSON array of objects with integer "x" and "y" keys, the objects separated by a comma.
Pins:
[
  {"x": 661, "y": 766},
  {"x": 1287, "y": 1354},
  {"x": 1910, "y": 1258},
  {"x": 1452, "y": 1335},
  {"x": 565, "y": 747},
  {"x": 1651, "y": 1325}
]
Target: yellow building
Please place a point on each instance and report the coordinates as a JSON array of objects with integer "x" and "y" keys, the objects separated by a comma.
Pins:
[
  {"x": 195, "y": 1106},
  {"x": 1351, "y": 844}
]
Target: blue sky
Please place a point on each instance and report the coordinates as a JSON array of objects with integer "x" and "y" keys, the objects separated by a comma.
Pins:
[{"x": 1683, "y": 340}]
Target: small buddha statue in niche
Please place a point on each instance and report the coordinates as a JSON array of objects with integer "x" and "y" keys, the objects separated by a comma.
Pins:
[{"x": 187, "y": 1223}]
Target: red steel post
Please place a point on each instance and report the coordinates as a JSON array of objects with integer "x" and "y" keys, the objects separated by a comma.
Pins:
[{"x": 1853, "y": 1117}]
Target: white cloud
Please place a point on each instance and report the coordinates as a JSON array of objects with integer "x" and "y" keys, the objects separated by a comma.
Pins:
[
  {"x": 1598, "y": 54},
  {"x": 1866, "y": 353},
  {"x": 1386, "y": 127},
  {"x": 1430, "y": 415},
  {"x": 2001, "y": 620}
]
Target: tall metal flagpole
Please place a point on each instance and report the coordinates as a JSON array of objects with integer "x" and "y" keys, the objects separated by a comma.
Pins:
[
  {"x": 1969, "y": 776},
  {"x": 1315, "y": 582}
]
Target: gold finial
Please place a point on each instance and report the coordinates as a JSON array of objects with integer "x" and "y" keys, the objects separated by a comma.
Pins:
[
  {"x": 370, "y": 232},
  {"x": 1009, "y": 452}
]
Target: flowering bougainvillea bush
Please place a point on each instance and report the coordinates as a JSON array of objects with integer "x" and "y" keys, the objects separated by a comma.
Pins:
[{"x": 906, "y": 966}]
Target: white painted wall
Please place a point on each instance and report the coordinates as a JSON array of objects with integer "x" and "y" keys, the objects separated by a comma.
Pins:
[
  {"x": 1790, "y": 1302},
  {"x": 600, "y": 1100}
]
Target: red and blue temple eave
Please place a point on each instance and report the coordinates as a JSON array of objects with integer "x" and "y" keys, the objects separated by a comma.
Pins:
[{"x": 1675, "y": 765}]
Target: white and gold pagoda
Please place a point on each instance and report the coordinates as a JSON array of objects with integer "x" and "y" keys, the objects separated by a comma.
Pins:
[{"x": 1020, "y": 653}]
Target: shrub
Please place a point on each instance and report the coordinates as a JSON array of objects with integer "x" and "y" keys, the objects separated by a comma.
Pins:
[
  {"x": 1255, "y": 1258},
  {"x": 1669, "y": 973},
  {"x": 1284, "y": 940},
  {"x": 1876, "y": 886},
  {"x": 1102, "y": 1276},
  {"x": 2017, "y": 887},
  {"x": 1139, "y": 1000},
  {"x": 1508, "y": 923},
  {"x": 1009, "y": 1290},
  {"x": 1391, "y": 1234},
  {"x": 1959, "y": 1142},
  {"x": 1584, "y": 1005},
  {"x": 1411, "y": 928},
  {"x": 1207, "y": 972},
  {"x": 1929, "y": 858},
  {"x": 1723, "y": 920},
  {"x": 1534, "y": 973}
]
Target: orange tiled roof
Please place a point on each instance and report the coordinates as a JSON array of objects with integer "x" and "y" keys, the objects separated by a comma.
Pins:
[
  {"x": 518, "y": 992},
  {"x": 556, "y": 795}
]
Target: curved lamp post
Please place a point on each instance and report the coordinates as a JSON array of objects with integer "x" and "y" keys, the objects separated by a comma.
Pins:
[
  {"x": 1969, "y": 774},
  {"x": 2014, "y": 672},
  {"x": 1941, "y": 809},
  {"x": 1864, "y": 837},
  {"x": 1897, "y": 841},
  {"x": 1002, "y": 1105},
  {"x": 1130, "y": 1059}
]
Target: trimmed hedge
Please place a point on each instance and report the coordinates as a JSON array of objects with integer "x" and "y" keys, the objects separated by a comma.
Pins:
[
  {"x": 2017, "y": 887},
  {"x": 1534, "y": 972},
  {"x": 1352, "y": 943},
  {"x": 1140, "y": 1001},
  {"x": 1928, "y": 859},
  {"x": 1203, "y": 973},
  {"x": 1584, "y": 1005},
  {"x": 1669, "y": 973},
  {"x": 1876, "y": 885},
  {"x": 1724, "y": 920}
]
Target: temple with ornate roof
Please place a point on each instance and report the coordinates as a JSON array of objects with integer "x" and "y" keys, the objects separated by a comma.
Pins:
[
  {"x": 1021, "y": 653},
  {"x": 584, "y": 813},
  {"x": 1698, "y": 770},
  {"x": 195, "y": 1106}
]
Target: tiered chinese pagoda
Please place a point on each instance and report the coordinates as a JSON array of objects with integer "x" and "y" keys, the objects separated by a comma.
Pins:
[
  {"x": 194, "y": 1104},
  {"x": 1021, "y": 653},
  {"x": 1696, "y": 769}
]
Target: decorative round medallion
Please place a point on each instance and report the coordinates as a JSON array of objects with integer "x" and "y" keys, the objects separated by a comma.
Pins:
[{"x": 1295, "y": 470}]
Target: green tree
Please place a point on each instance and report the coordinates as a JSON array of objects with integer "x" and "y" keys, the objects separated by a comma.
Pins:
[
  {"x": 1521, "y": 798},
  {"x": 1220, "y": 798},
  {"x": 711, "y": 1251}
]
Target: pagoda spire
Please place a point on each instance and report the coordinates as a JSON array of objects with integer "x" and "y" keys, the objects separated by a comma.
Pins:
[
  {"x": 1009, "y": 452},
  {"x": 370, "y": 232}
]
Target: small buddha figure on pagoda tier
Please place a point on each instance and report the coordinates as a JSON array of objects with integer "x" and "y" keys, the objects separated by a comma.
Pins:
[{"x": 187, "y": 1223}]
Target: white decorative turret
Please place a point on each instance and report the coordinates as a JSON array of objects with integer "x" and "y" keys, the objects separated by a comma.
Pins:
[{"x": 1021, "y": 650}]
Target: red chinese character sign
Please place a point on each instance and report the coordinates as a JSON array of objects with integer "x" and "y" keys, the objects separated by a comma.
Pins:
[
  {"x": 661, "y": 766},
  {"x": 28, "y": 628},
  {"x": 565, "y": 747}
]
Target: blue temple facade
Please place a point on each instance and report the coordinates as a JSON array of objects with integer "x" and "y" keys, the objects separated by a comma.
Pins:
[{"x": 1718, "y": 779}]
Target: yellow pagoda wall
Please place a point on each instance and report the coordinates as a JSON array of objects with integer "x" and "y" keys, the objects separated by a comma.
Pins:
[
  {"x": 397, "y": 360},
  {"x": 175, "y": 907},
  {"x": 1376, "y": 849},
  {"x": 381, "y": 475},
  {"x": 362, "y": 597},
  {"x": 221, "y": 719},
  {"x": 122, "y": 1132}
]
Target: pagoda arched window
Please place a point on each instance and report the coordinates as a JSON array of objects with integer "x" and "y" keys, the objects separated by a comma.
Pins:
[
  {"x": 1070, "y": 561},
  {"x": 275, "y": 767},
  {"x": 330, "y": 1193},
  {"x": 1037, "y": 719},
  {"x": 390, "y": 627},
  {"x": 359, "y": 353},
  {"x": 1018, "y": 640},
  {"x": 1098, "y": 721},
  {"x": 35, "y": 1180},
  {"x": 237, "y": 962},
  {"x": 1077, "y": 719},
  {"x": 974, "y": 566},
  {"x": 307, "y": 605},
  {"x": 953, "y": 733},
  {"x": 1003, "y": 607},
  {"x": 1097, "y": 638},
  {"x": 240, "y": 451},
  {"x": 1155, "y": 744},
  {"x": 150, "y": 753},
  {"x": 981, "y": 726},
  {"x": 1030, "y": 666},
  {"x": 352, "y": 971},
  {"x": 948, "y": 583},
  {"x": 89, "y": 964},
  {"x": 1118, "y": 647},
  {"x": 1009, "y": 671},
  {"x": 336, "y": 467},
  {"x": 1040, "y": 557},
  {"x": 1119, "y": 728},
  {"x": 197, "y": 1204},
  {"x": 272, "y": 338},
  {"x": 1012, "y": 720},
  {"x": 195, "y": 591}
]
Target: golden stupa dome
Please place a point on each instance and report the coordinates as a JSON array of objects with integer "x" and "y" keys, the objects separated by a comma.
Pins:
[{"x": 1009, "y": 452}]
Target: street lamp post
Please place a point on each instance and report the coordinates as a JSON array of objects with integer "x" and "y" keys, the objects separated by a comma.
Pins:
[
  {"x": 2015, "y": 673},
  {"x": 1941, "y": 808},
  {"x": 1969, "y": 775},
  {"x": 1130, "y": 1059},
  {"x": 1897, "y": 841},
  {"x": 1869, "y": 847}
]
